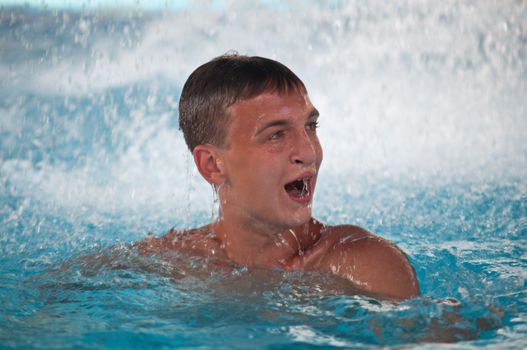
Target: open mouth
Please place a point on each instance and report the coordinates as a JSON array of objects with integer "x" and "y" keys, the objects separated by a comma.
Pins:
[{"x": 300, "y": 189}]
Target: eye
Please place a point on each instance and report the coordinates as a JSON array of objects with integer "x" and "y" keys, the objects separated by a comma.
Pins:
[
  {"x": 312, "y": 126},
  {"x": 277, "y": 135}
]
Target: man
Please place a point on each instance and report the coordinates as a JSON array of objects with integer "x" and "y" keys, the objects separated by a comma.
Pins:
[{"x": 251, "y": 128}]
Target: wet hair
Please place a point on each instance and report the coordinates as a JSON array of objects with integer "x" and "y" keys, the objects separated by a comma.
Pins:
[{"x": 221, "y": 82}]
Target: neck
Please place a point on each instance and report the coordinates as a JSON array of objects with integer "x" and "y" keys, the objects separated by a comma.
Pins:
[
  {"x": 252, "y": 243},
  {"x": 250, "y": 246}
]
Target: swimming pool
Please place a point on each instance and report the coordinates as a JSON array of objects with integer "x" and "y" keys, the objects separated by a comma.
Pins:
[{"x": 423, "y": 124}]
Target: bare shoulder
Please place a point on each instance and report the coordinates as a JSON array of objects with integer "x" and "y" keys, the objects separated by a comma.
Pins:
[
  {"x": 372, "y": 263},
  {"x": 198, "y": 241},
  {"x": 345, "y": 232}
]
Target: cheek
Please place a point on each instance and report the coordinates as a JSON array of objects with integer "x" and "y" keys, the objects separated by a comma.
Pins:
[
  {"x": 274, "y": 149},
  {"x": 267, "y": 172},
  {"x": 318, "y": 151},
  {"x": 255, "y": 173}
]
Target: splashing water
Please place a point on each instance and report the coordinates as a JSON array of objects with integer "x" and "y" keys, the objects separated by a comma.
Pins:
[{"x": 423, "y": 127}]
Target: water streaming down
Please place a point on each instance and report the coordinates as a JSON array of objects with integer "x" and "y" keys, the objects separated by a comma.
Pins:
[{"x": 423, "y": 124}]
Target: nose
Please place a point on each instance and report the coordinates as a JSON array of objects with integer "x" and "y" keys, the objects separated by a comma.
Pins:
[{"x": 304, "y": 149}]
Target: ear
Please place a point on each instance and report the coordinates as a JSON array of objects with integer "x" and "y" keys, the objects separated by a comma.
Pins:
[{"x": 209, "y": 164}]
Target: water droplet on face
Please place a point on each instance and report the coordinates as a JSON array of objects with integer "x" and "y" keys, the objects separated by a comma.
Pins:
[{"x": 304, "y": 188}]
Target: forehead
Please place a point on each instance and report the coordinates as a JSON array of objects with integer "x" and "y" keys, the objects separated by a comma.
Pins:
[{"x": 270, "y": 105}]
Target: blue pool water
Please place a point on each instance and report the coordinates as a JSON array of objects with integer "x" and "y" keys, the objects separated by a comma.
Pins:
[{"x": 423, "y": 123}]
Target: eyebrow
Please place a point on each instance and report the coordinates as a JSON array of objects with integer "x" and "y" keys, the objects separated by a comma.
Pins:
[{"x": 280, "y": 122}]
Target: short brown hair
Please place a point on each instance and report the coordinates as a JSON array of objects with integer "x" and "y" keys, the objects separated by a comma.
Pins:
[{"x": 220, "y": 83}]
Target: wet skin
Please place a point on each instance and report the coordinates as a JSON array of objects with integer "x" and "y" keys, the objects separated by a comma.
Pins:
[{"x": 265, "y": 176}]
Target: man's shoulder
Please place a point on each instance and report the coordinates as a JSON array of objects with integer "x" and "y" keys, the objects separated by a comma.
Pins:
[
  {"x": 371, "y": 262},
  {"x": 334, "y": 235},
  {"x": 329, "y": 238},
  {"x": 197, "y": 240},
  {"x": 363, "y": 244},
  {"x": 346, "y": 230}
]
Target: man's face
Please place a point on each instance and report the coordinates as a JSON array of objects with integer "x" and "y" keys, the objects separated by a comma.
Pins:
[{"x": 271, "y": 160}]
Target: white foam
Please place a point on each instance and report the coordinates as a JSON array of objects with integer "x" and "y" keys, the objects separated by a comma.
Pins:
[{"x": 406, "y": 89}]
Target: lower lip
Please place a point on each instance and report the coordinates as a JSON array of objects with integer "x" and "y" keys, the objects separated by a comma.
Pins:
[{"x": 305, "y": 199}]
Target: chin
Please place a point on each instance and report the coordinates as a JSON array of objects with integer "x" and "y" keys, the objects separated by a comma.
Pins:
[{"x": 299, "y": 218}]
